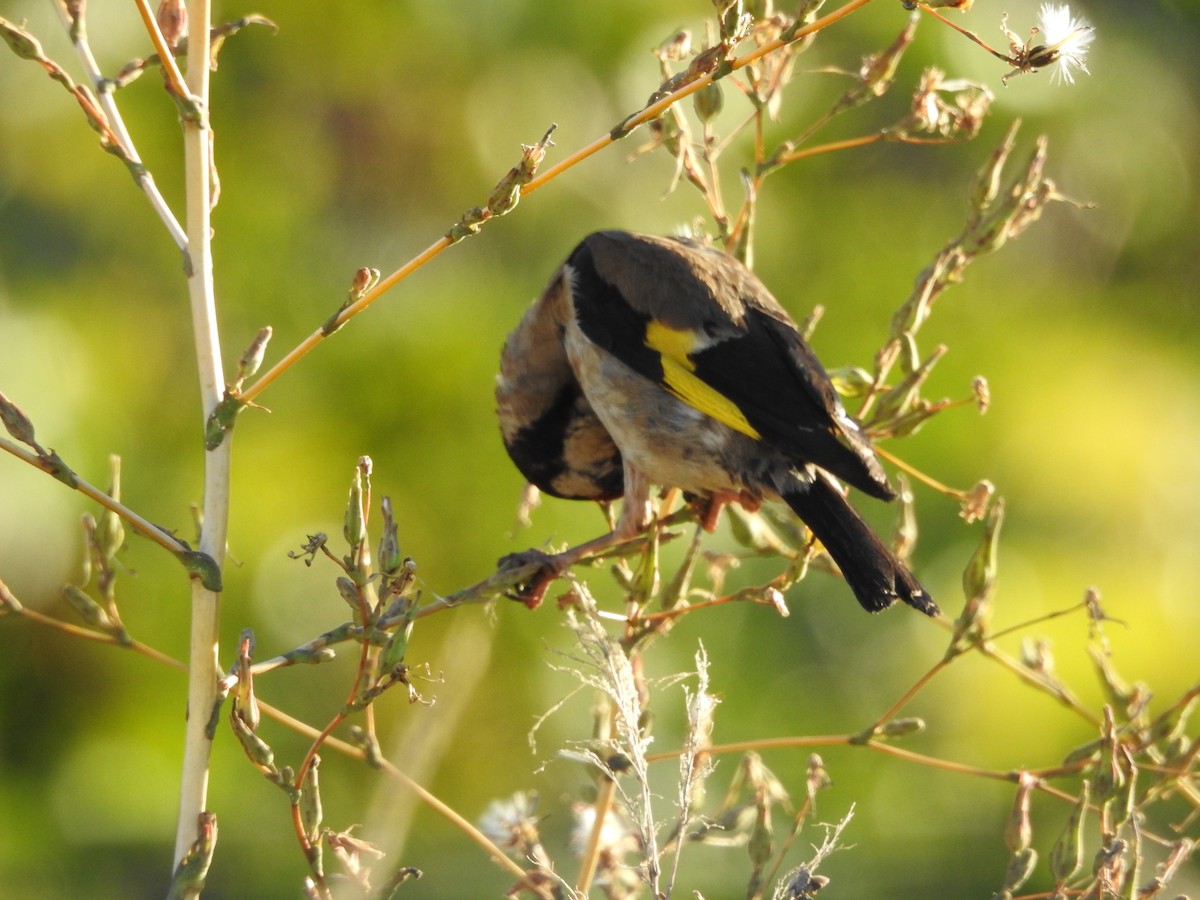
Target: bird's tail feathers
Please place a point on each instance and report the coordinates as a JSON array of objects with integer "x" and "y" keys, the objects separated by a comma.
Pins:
[{"x": 871, "y": 570}]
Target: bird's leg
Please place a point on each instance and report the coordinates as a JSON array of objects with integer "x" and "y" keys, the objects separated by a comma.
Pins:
[
  {"x": 710, "y": 508},
  {"x": 636, "y": 514}
]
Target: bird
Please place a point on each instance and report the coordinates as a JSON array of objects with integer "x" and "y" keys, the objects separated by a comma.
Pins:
[{"x": 652, "y": 360}]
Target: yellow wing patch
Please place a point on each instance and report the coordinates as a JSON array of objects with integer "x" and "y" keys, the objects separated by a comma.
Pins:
[{"x": 675, "y": 348}]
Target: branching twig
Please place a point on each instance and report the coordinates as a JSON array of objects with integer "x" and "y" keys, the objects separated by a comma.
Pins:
[
  {"x": 128, "y": 152},
  {"x": 53, "y": 465}
]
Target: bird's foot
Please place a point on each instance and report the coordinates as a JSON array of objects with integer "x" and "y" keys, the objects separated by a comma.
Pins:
[
  {"x": 536, "y": 572},
  {"x": 708, "y": 509}
]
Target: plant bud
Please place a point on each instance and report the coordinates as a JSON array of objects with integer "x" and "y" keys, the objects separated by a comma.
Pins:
[
  {"x": 110, "y": 533},
  {"x": 708, "y": 102},
  {"x": 16, "y": 422},
  {"x": 979, "y": 577},
  {"x": 902, "y": 727},
  {"x": 851, "y": 381},
  {"x": 24, "y": 44},
  {"x": 1018, "y": 834},
  {"x": 1067, "y": 855},
  {"x": 348, "y": 592},
  {"x": 311, "y": 812},
  {"x": 172, "y": 21},
  {"x": 986, "y": 185},
  {"x": 390, "y": 559},
  {"x": 256, "y": 748},
  {"x": 397, "y": 647},
  {"x": 762, "y": 842},
  {"x": 1020, "y": 867},
  {"x": 354, "y": 525},
  {"x": 982, "y": 393},
  {"x": 252, "y": 356},
  {"x": 87, "y": 608},
  {"x": 678, "y": 46}
]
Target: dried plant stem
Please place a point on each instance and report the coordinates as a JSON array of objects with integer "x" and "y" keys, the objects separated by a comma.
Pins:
[
  {"x": 310, "y": 758},
  {"x": 430, "y": 800},
  {"x": 916, "y": 688},
  {"x": 920, "y": 476},
  {"x": 782, "y": 743},
  {"x": 104, "y": 96},
  {"x": 203, "y": 670},
  {"x": 751, "y": 595},
  {"x": 879, "y": 137},
  {"x": 934, "y": 762},
  {"x": 497, "y": 855},
  {"x": 926, "y": 9},
  {"x": 80, "y": 631},
  {"x": 142, "y": 526},
  {"x": 851, "y": 740},
  {"x": 657, "y": 109},
  {"x": 797, "y": 822},
  {"x": 591, "y": 856},
  {"x": 170, "y": 69},
  {"x": 1035, "y": 679},
  {"x": 986, "y": 646},
  {"x": 385, "y": 285}
]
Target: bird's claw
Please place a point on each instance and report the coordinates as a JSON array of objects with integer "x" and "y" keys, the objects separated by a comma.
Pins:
[{"x": 530, "y": 588}]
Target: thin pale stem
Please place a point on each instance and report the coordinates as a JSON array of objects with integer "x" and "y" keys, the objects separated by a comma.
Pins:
[
  {"x": 104, "y": 96},
  {"x": 142, "y": 526},
  {"x": 170, "y": 69},
  {"x": 946, "y": 765},
  {"x": 863, "y": 141},
  {"x": 782, "y": 743},
  {"x": 920, "y": 476},
  {"x": 203, "y": 668},
  {"x": 916, "y": 687},
  {"x": 80, "y": 631},
  {"x": 348, "y": 313},
  {"x": 797, "y": 821},
  {"x": 498, "y": 856},
  {"x": 591, "y": 856},
  {"x": 1059, "y": 692},
  {"x": 965, "y": 33},
  {"x": 1034, "y": 679},
  {"x": 327, "y": 731},
  {"x": 850, "y": 740},
  {"x": 747, "y": 596}
]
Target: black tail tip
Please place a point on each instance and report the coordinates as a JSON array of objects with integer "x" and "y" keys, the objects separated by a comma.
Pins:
[
  {"x": 910, "y": 591},
  {"x": 907, "y": 590},
  {"x": 922, "y": 602}
]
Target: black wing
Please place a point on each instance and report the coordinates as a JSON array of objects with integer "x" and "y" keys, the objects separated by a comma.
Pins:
[{"x": 729, "y": 334}]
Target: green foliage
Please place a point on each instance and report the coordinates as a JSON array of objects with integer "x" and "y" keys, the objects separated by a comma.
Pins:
[{"x": 955, "y": 761}]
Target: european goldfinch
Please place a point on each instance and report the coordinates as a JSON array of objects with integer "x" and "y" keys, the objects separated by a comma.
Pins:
[{"x": 650, "y": 360}]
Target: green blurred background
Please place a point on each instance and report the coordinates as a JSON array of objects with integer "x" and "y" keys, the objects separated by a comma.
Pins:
[{"x": 355, "y": 137}]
